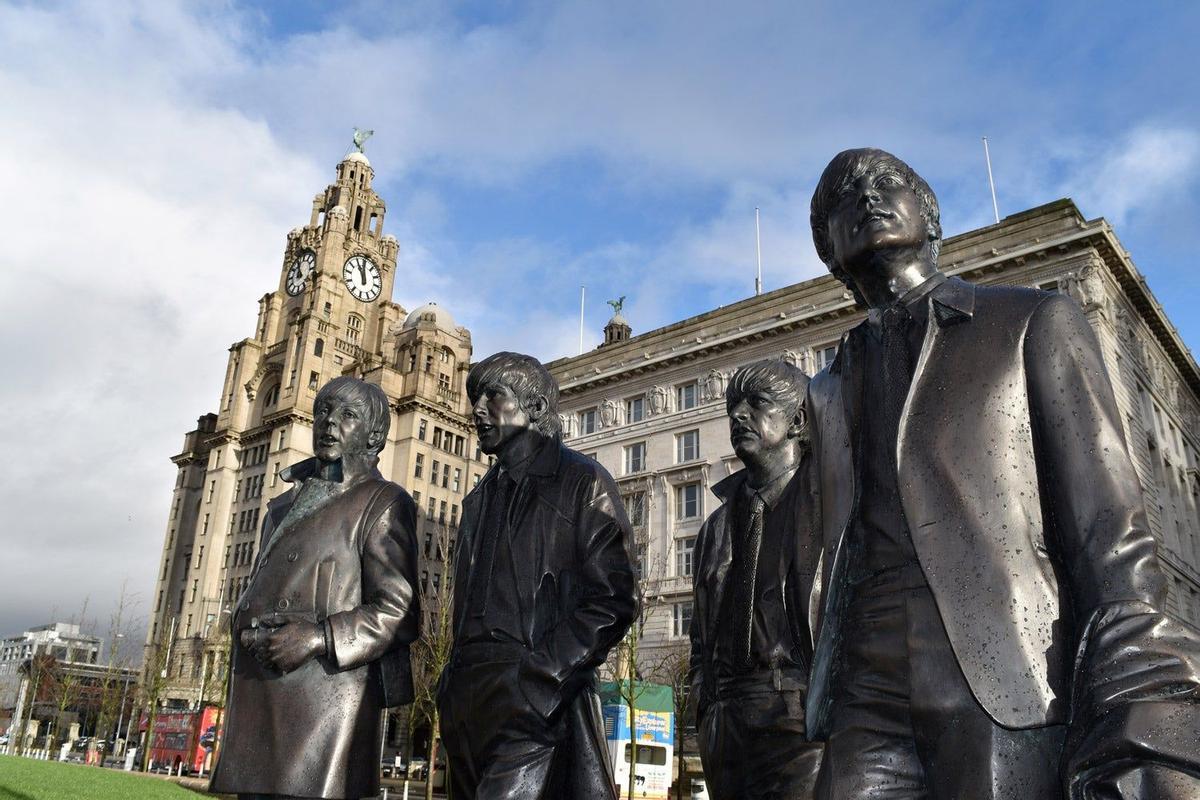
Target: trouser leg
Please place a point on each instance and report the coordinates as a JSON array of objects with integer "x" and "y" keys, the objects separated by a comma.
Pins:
[
  {"x": 753, "y": 746},
  {"x": 964, "y": 752},
  {"x": 870, "y": 753},
  {"x": 497, "y": 747}
]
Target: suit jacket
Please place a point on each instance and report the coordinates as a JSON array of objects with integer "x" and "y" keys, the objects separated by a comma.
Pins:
[
  {"x": 1023, "y": 506},
  {"x": 794, "y": 573},
  {"x": 350, "y": 563},
  {"x": 569, "y": 540}
]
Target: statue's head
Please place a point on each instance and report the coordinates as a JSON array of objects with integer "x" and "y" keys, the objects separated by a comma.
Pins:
[
  {"x": 765, "y": 403},
  {"x": 350, "y": 418},
  {"x": 511, "y": 393},
  {"x": 869, "y": 200}
]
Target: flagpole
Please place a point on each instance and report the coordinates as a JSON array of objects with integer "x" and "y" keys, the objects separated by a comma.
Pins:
[
  {"x": 582, "y": 295},
  {"x": 991, "y": 183},
  {"x": 758, "y": 254}
]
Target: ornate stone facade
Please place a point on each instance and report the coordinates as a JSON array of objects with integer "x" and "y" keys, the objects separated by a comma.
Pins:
[{"x": 684, "y": 437}]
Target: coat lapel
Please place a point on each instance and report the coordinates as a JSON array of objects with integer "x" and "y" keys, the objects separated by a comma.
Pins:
[{"x": 722, "y": 547}]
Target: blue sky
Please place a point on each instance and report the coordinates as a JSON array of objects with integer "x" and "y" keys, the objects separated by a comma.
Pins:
[{"x": 156, "y": 154}]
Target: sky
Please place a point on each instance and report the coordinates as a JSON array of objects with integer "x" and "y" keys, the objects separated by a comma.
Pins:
[{"x": 155, "y": 154}]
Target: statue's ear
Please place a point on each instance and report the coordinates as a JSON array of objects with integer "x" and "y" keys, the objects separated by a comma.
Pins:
[
  {"x": 798, "y": 423},
  {"x": 538, "y": 405}
]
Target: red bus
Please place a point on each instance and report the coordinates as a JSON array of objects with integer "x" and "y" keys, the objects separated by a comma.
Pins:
[{"x": 179, "y": 738}]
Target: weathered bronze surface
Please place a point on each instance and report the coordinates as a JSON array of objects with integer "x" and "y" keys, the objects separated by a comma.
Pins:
[
  {"x": 321, "y": 633},
  {"x": 756, "y": 557},
  {"x": 543, "y": 589},
  {"x": 992, "y": 619}
]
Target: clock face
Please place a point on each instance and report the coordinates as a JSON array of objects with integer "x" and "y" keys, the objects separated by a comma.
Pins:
[
  {"x": 362, "y": 278},
  {"x": 300, "y": 271}
]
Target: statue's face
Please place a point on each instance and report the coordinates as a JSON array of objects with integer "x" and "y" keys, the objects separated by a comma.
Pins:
[
  {"x": 879, "y": 210},
  {"x": 758, "y": 425},
  {"x": 498, "y": 417},
  {"x": 340, "y": 428}
]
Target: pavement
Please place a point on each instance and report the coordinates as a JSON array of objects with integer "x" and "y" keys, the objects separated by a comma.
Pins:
[{"x": 393, "y": 788}]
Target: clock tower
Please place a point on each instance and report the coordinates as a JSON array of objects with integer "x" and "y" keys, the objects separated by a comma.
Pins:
[{"x": 331, "y": 314}]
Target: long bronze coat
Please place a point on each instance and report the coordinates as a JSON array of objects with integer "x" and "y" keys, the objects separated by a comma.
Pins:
[
  {"x": 352, "y": 561},
  {"x": 570, "y": 542},
  {"x": 1026, "y": 516}
]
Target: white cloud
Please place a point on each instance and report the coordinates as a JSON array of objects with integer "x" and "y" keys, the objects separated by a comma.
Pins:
[
  {"x": 1149, "y": 167},
  {"x": 143, "y": 226}
]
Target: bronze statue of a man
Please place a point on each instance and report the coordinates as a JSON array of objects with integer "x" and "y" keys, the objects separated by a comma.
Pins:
[
  {"x": 756, "y": 557},
  {"x": 321, "y": 633},
  {"x": 991, "y": 623},
  {"x": 543, "y": 588}
]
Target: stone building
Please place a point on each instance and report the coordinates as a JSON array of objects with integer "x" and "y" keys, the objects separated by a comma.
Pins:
[
  {"x": 651, "y": 407},
  {"x": 330, "y": 314},
  {"x": 62, "y": 640}
]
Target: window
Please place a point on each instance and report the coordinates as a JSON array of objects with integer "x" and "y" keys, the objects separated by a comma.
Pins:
[
  {"x": 444, "y": 382},
  {"x": 319, "y": 347},
  {"x": 204, "y": 529},
  {"x": 433, "y": 473},
  {"x": 454, "y": 515},
  {"x": 635, "y": 457},
  {"x": 687, "y": 501},
  {"x": 445, "y": 356},
  {"x": 681, "y": 619},
  {"x": 442, "y": 513},
  {"x": 421, "y": 430},
  {"x": 419, "y": 468},
  {"x": 437, "y": 437},
  {"x": 272, "y": 396},
  {"x": 328, "y": 310},
  {"x": 282, "y": 434},
  {"x": 445, "y": 475},
  {"x": 275, "y": 474},
  {"x": 825, "y": 356},
  {"x": 354, "y": 325},
  {"x": 587, "y": 421},
  {"x": 635, "y": 409},
  {"x": 639, "y": 560},
  {"x": 417, "y": 498},
  {"x": 195, "y": 586},
  {"x": 412, "y": 362},
  {"x": 457, "y": 480},
  {"x": 313, "y": 380},
  {"x": 685, "y": 396},
  {"x": 459, "y": 445},
  {"x": 429, "y": 363},
  {"x": 212, "y": 487},
  {"x": 635, "y": 507},
  {"x": 687, "y": 446},
  {"x": 432, "y": 506},
  {"x": 684, "y": 550}
]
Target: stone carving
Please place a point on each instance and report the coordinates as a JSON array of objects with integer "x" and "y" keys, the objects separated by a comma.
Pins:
[
  {"x": 1087, "y": 286},
  {"x": 566, "y": 422},
  {"x": 713, "y": 386},
  {"x": 658, "y": 400},
  {"x": 608, "y": 413}
]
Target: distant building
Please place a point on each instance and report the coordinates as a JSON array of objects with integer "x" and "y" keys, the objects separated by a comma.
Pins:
[
  {"x": 62, "y": 640},
  {"x": 330, "y": 314},
  {"x": 651, "y": 407}
]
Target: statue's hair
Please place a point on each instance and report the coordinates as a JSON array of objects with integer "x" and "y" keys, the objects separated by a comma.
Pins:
[
  {"x": 773, "y": 376},
  {"x": 527, "y": 379},
  {"x": 376, "y": 412},
  {"x": 847, "y": 167}
]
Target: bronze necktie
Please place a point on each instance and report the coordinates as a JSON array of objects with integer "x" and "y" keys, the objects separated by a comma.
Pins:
[
  {"x": 897, "y": 374},
  {"x": 746, "y": 569}
]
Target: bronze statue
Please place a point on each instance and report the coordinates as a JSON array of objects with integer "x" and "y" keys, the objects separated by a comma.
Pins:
[
  {"x": 543, "y": 588},
  {"x": 991, "y": 624},
  {"x": 322, "y": 631},
  {"x": 756, "y": 557}
]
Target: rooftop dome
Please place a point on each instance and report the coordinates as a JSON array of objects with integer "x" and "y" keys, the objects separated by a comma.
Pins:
[
  {"x": 357, "y": 156},
  {"x": 431, "y": 312}
]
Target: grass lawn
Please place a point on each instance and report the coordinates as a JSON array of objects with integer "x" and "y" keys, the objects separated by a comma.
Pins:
[{"x": 26, "y": 779}]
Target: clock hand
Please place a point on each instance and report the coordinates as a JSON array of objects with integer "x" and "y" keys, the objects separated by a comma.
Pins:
[{"x": 362, "y": 271}]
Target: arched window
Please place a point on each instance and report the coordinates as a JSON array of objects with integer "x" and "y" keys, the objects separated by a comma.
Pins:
[
  {"x": 271, "y": 397},
  {"x": 319, "y": 347},
  {"x": 354, "y": 325}
]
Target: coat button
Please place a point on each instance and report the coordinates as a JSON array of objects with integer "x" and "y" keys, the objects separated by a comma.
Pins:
[
  {"x": 245, "y": 606},
  {"x": 282, "y": 604},
  {"x": 293, "y": 556}
]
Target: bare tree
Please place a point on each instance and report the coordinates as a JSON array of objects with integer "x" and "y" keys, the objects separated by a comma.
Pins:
[
  {"x": 431, "y": 651},
  {"x": 113, "y": 690},
  {"x": 154, "y": 678},
  {"x": 674, "y": 672}
]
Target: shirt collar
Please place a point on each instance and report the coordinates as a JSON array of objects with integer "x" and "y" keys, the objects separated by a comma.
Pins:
[{"x": 542, "y": 462}]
